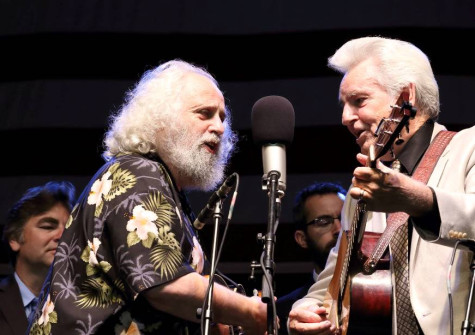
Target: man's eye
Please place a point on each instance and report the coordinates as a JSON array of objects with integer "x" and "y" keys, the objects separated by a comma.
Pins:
[
  {"x": 48, "y": 227},
  {"x": 205, "y": 112},
  {"x": 359, "y": 102},
  {"x": 325, "y": 220}
]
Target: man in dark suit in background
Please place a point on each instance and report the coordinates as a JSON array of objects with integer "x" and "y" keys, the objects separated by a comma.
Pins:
[
  {"x": 32, "y": 230},
  {"x": 317, "y": 216}
]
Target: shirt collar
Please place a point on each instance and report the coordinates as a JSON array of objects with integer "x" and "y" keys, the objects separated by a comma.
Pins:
[
  {"x": 26, "y": 295},
  {"x": 414, "y": 149}
]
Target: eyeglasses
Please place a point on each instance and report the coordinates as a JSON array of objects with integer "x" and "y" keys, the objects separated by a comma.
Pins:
[{"x": 323, "y": 222}]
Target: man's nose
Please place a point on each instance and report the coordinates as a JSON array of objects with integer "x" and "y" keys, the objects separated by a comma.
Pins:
[
  {"x": 348, "y": 116},
  {"x": 217, "y": 125}
]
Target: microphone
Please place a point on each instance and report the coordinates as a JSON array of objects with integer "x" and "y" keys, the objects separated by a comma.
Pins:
[
  {"x": 273, "y": 122},
  {"x": 220, "y": 194}
]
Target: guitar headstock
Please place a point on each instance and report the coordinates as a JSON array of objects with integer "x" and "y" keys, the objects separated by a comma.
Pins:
[{"x": 389, "y": 129}]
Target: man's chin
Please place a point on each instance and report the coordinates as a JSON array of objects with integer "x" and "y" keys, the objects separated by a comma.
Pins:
[{"x": 48, "y": 261}]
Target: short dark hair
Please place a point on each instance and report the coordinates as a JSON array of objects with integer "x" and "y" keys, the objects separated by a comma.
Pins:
[
  {"x": 35, "y": 201},
  {"x": 316, "y": 188}
]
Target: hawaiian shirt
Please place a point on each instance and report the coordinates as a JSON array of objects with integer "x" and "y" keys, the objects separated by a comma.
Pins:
[{"x": 127, "y": 233}]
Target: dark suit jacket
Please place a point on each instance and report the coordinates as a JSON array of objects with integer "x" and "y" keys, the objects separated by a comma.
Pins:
[
  {"x": 284, "y": 304},
  {"x": 12, "y": 313}
]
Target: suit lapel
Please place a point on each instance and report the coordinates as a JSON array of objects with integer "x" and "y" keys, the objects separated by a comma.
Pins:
[{"x": 11, "y": 307}]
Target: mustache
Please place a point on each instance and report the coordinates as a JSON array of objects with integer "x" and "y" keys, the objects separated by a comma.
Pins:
[{"x": 210, "y": 138}]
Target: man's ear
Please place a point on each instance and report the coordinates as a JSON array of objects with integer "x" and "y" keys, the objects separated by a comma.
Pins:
[
  {"x": 409, "y": 93},
  {"x": 15, "y": 245},
  {"x": 301, "y": 238}
]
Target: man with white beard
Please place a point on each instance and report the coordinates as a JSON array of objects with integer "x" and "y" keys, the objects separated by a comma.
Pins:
[{"x": 129, "y": 261}]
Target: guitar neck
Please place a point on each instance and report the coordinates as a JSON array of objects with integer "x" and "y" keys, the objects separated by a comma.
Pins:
[{"x": 354, "y": 238}]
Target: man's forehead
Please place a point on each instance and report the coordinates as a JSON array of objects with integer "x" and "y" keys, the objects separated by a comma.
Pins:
[{"x": 363, "y": 86}]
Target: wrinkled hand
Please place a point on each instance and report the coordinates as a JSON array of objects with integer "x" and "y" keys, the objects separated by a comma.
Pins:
[
  {"x": 310, "y": 320},
  {"x": 386, "y": 190}
]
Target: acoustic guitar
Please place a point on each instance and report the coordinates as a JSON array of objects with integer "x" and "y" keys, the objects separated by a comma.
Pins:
[{"x": 359, "y": 300}]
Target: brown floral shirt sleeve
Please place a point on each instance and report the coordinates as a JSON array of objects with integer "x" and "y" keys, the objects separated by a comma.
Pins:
[{"x": 127, "y": 233}]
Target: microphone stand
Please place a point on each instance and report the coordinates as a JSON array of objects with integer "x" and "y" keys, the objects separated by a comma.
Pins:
[
  {"x": 217, "y": 217},
  {"x": 466, "y": 325},
  {"x": 268, "y": 262}
]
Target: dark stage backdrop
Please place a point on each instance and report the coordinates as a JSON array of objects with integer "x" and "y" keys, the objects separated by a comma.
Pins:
[{"x": 65, "y": 65}]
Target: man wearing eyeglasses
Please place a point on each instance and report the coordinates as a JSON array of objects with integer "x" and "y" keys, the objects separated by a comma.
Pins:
[{"x": 317, "y": 213}]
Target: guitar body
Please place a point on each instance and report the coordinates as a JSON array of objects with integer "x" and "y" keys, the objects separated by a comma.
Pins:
[
  {"x": 366, "y": 304},
  {"x": 370, "y": 304}
]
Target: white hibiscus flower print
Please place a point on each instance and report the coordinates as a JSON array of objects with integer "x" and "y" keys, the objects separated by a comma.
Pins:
[
  {"x": 142, "y": 222},
  {"x": 197, "y": 256},
  {"x": 99, "y": 188}
]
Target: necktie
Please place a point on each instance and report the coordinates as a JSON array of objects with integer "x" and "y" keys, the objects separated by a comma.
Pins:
[
  {"x": 405, "y": 319},
  {"x": 32, "y": 306}
]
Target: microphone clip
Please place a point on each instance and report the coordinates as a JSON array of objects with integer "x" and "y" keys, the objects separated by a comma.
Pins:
[
  {"x": 268, "y": 178},
  {"x": 216, "y": 197}
]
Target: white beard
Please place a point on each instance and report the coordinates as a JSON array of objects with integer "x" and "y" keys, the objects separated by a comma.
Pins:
[{"x": 188, "y": 154}]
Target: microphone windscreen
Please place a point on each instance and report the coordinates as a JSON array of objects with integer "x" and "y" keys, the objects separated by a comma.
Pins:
[{"x": 273, "y": 120}]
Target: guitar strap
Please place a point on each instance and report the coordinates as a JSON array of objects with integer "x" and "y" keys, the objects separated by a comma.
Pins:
[{"x": 422, "y": 174}]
